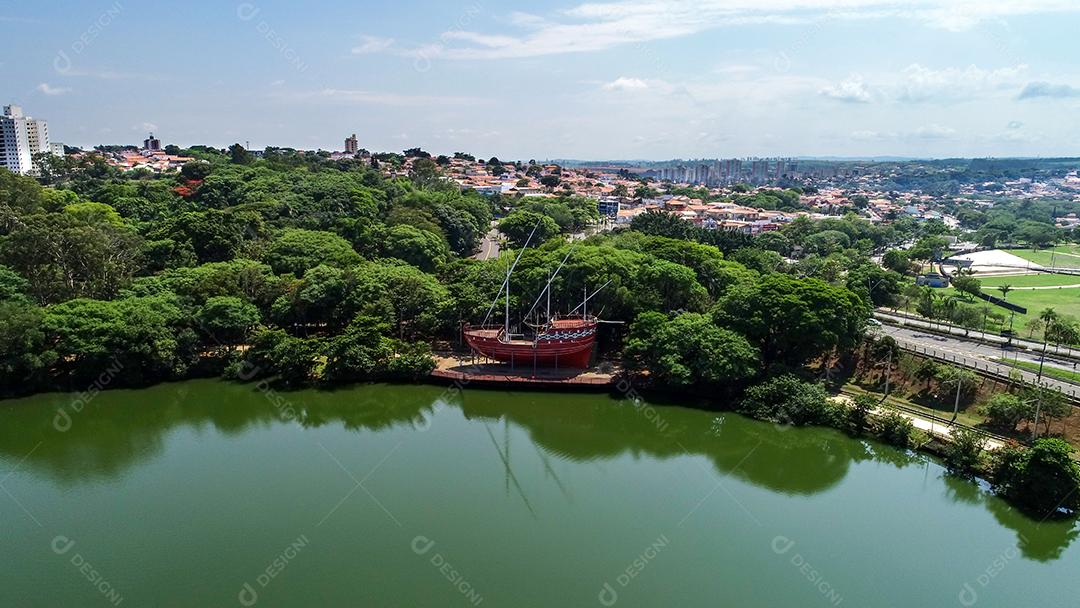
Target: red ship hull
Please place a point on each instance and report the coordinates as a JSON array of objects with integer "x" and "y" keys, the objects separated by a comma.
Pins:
[{"x": 566, "y": 343}]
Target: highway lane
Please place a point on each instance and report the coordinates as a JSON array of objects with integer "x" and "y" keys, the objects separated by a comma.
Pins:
[
  {"x": 970, "y": 353},
  {"x": 1065, "y": 352}
]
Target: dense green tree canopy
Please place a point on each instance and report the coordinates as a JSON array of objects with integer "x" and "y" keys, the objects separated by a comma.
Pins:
[
  {"x": 689, "y": 349},
  {"x": 227, "y": 319},
  {"x": 793, "y": 320},
  {"x": 136, "y": 338},
  {"x": 296, "y": 250},
  {"x": 1042, "y": 479},
  {"x": 421, "y": 248},
  {"x": 519, "y": 225}
]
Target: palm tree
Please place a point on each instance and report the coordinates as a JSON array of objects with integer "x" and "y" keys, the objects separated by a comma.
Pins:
[
  {"x": 949, "y": 304},
  {"x": 938, "y": 298},
  {"x": 926, "y": 303},
  {"x": 1048, "y": 316},
  {"x": 1004, "y": 288}
]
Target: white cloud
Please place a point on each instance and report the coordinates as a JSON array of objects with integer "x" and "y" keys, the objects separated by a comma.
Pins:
[
  {"x": 933, "y": 132},
  {"x": 376, "y": 98},
  {"x": 623, "y": 83},
  {"x": 1014, "y": 124},
  {"x": 372, "y": 44},
  {"x": 961, "y": 15},
  {"x": 852, "y": 90},
  {"x": 484, "y": 40},
  {"x": 1034, "y": 90},
  {"x": 593, "y": 26},
  {"x": 922, "y": 84},
  {"x": 866, "y": 135},
  {"x": 527, "y": 20},
  {"x": 144, "y": 126},
  {"x": 48, "y": 89}
]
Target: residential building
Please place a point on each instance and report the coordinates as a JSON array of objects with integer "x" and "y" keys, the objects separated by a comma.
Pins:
[
  {"x": 609, "y": 206},
  {"x": 156, "y": 161},
  {"x": 21, "y": 137},
  {"x": 352, "y": 146},
  {"x": 151, "y": 143}
]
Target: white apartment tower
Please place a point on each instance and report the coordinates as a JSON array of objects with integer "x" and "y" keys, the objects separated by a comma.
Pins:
[{"x": 20, "y": 138}]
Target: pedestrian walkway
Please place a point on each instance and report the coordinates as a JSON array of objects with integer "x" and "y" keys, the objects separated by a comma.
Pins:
[
  {"x": 940, "y": 429},
  {"x": 934, "y": 428}
]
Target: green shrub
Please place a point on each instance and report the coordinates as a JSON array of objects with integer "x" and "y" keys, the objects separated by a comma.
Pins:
[
  {"x": 963, "y": 451},
  {"x": 895, "y": 428},
  {"x": 411, "y": 362},
  {"x": 859, "y": 412},
  {"x": 788, "y": 400},
  {"x": 1005, "y": 410}
]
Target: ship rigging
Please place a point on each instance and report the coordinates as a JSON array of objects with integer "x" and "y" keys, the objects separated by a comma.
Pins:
[{"x": 553, "y": 341}]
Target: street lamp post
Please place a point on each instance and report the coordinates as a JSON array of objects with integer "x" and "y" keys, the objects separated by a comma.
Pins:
[
  {"x": 956, "y": 403},
  {"x": 888, "y": 373},
  {"x": 1038, "y": 409}
]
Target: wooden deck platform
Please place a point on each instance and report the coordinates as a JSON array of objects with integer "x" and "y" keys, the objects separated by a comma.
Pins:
[{"x": 480, "y": 373}]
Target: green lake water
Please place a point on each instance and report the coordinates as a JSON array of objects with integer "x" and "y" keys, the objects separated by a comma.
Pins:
[{"x": 211, "y": 494}]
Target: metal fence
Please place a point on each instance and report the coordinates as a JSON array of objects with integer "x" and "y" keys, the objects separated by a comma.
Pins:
[
  {"x": 997, "y": 371},
  {"x": 978, "y": 334}
]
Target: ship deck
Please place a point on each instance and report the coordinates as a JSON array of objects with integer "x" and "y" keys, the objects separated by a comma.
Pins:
[
  {"x": 477, "y": 371},
  {"x": 489, "y": 333}
]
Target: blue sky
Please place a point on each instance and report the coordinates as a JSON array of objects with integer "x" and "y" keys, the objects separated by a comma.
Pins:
[{"x": 570, "y": 79}]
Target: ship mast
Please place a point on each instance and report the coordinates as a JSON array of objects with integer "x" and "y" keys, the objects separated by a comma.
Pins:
[
  {"x": 506, "y": 318},
  {"x": 547, "y": 310},
  {"x": 506, "y": 282},
  {"x": 589, "y": 297},
  {"x": 547, "y": 287}
]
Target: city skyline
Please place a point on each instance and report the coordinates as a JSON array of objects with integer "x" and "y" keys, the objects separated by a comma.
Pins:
[{"x": 619, "y": 80}]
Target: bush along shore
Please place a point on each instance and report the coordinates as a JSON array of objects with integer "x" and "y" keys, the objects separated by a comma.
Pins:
[{"x": 1041, "y": 479}]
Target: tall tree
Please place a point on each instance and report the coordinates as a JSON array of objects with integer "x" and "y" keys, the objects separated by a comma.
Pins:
[
  {"x": 689, "y": 349},
  {"x": 793, "y": 320}
]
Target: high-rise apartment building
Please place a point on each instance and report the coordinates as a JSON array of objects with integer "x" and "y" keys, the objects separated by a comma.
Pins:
[
  {"x": 352, "y": 146},
  {"x": 151, "y": 143},
  {"x": 20, "y": 138}
]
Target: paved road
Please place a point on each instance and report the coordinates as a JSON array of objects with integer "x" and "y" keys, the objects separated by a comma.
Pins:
[
  {"x": 489, "y": 246},
  {"x": 1064, "y": 352},
  {"x": 970, "y": 353}
]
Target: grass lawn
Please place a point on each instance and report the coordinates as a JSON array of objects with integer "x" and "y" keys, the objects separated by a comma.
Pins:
[
  {"x": 1051, "y": 372},
  {"x": 1065, "y": 256},
  {"x": 1026, "y": 280},
  {"x": 1064, "y": 301},
  {"x": 968, "y": 416}
]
